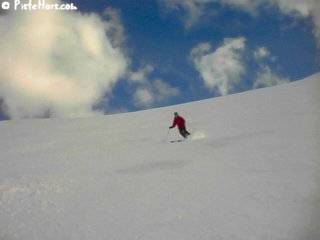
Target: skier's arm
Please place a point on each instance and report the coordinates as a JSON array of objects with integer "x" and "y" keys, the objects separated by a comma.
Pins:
[{"x": 174, "y": 123}]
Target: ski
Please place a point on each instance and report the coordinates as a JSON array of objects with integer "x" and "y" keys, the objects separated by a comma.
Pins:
[{"x": 175, "y": 141}]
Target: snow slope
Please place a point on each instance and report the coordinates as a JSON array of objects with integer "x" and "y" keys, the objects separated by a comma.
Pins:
[{"x": 250, "y": 171}]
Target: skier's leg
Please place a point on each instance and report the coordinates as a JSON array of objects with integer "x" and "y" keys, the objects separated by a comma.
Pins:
[
  {"x": 182, "y": 132},
  {"x": 186, "y": 133}
]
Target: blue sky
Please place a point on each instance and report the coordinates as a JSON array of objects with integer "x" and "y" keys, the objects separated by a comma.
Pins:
[
  {"x": 177, "y": 46},
  {"x": 160, "y": 39}
]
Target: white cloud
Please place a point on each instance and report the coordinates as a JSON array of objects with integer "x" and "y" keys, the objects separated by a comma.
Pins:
[
  {"x": 305, "y": 8},
  {"x": 114, "y": 26},
  {"x": 248, "y": 5},
  {"x": 150, "y": 91},
  {"x": 142, "y": 74},
  {"x": 58, "y": 62},
  {"x": 163, "y": 90},
  {"x": 220, "y": 69},
  {"x": 266, "y": 78},
  {"x": 194, "y": 9},
  {"x": 191, "y": 10},
  {"x": 261, "y": 53},
  {"x": 153, "y": 92},
  {"x": 295, "y": 6},
  {"x": 144, "y": 97}
]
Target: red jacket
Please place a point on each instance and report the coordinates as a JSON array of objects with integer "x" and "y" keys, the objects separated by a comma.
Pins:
[{"x": 178, "y": 121}]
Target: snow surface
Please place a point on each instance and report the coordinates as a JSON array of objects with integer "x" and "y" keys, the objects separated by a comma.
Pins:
[{"x": 250, "y": 171}]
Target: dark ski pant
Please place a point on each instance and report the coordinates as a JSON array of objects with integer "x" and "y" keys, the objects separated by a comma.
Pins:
[{"x": 184, "y": 133}]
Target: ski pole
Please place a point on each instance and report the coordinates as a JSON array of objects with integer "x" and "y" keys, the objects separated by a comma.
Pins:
[{"x": 167, "y": 135}]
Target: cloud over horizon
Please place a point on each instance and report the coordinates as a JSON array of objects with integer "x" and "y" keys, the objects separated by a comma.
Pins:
[
  {"x": 148, "y": 90},
  {"x": 266, "y": 78},
  {"x": 59, "y": 63}
]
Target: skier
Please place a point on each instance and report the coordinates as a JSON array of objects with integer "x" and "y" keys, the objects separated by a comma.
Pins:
[{"x": 180, "y": 122}]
